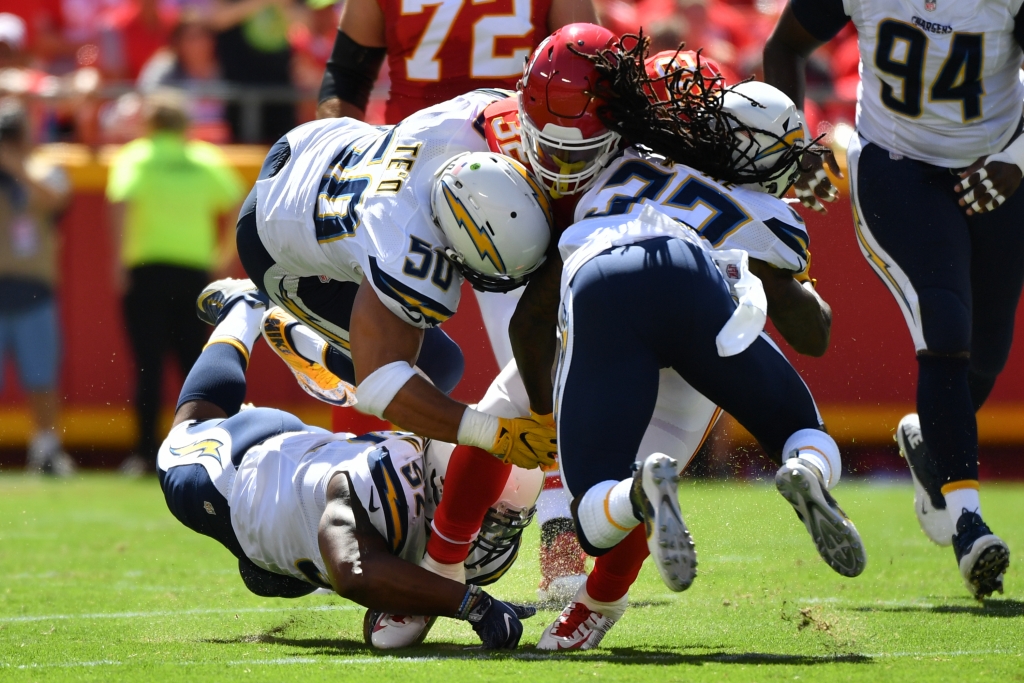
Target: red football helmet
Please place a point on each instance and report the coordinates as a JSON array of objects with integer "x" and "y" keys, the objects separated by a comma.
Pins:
[
  {"x": 663, "y": 67},
  {"x": 565, "y": 141}
]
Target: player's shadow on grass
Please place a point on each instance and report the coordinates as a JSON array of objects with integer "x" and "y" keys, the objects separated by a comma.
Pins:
[
  {"x": 991, "y": 608},
  {"x": 328, "y": 647}
]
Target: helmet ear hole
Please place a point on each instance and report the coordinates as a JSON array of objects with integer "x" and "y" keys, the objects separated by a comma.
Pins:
[{"x": 513, "y": 214}]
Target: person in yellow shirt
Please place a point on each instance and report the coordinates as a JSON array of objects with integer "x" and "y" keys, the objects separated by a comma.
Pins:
[{"x": 167, "y": 197}]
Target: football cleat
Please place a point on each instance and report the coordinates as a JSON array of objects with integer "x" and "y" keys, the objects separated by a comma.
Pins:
[
  {"x": 834, "y": 535},
  {"x": 218, "y": 298},
  {"x": 929, "y": 503},
  {"x": 982, "y": 556},
  {"x": 315, "y": 379},
  {"x": 391, "y": 631},
  {"x": 562, "y": 562},
  {"x": 656, "y": 496},
  {"x": 580, "y": 628}
]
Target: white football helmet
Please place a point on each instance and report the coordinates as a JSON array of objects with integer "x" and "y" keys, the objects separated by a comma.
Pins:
[
  {"x": 761, "y": 107},
  {"x": 495, "y": 217}
]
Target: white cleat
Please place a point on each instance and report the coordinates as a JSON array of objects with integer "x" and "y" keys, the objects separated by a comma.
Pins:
[
  {"x": 656, "y": 495},
  {"x": 580, "y": 628},
  {"x": 833, "y": 533},
  {"x": 934, "y": 521},
  {"x": 392, "y": 631}
]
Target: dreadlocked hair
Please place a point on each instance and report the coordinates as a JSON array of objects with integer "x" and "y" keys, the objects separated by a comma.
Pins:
[{"x": 690, "y": 126}]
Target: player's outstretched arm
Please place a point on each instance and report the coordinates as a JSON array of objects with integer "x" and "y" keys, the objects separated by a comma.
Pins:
[
  {"x": 532, "y": 333},
  {"x": 380, "y": 338},
  {"x": 384, "y": 350},
  {"x": 362, "y": 569},
  {"x": 798, "y": 312},
  {"x": 785, "y": 59},
  {"x": 359, "y": 50}
]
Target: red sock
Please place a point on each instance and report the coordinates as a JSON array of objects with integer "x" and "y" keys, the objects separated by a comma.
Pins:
[
  {"x": 474, "y": 480},
  {"x": 615, "y": 571}
]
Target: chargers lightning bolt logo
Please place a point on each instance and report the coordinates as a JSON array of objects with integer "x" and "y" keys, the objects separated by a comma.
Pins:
[
  {"x": 481, "y": 240},
  {"x": 788, "y": 140},
  {"x": 207, "y": 448}
]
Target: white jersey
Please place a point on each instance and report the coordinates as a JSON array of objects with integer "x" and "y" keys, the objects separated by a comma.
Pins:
[
  {"x": 354, "y": 200},
  {"x": 725, "y": 217},
  {"x": 940, "y": 79},
  {"x": 278, "y": 492}
]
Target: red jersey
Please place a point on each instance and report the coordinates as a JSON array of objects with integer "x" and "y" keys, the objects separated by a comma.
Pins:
[
  {"x": 500, "y": 123},
  {"x": 439, "y": 50}
]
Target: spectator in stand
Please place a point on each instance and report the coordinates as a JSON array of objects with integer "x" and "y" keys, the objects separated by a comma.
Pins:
[
  {"x": 32, "y": 197},
  {"x": 167, "y": 196},
  {"x": 253, "y": 51},
  {"x": 132, "y": 31},
  {"x": 189, "y": 63}
]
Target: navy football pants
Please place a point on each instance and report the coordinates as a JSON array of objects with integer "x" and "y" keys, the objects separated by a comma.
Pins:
[
  {"x": 957, "y": 279},
  {"x": 636, "y": 309}
]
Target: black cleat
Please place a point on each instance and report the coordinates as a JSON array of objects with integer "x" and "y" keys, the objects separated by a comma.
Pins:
[
  {"x": 929, "y": 503},
  {"x": 982, "y": 556}
]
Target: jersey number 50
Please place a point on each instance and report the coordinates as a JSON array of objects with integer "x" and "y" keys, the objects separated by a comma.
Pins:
[
  {"x": 425, "y": 65},
  {"x": 901, "y": 53}
]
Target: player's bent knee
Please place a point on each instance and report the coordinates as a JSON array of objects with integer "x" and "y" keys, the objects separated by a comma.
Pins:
[
  {"x": 818, "y": 448},
  {"x": 946, "y": 321}
]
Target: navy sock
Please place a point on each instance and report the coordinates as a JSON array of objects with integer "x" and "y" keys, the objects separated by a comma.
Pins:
[
  {"x": 946, "y": 410},
  {"x": 340, "y": 365},
  {"x": 218, "y": 377}
]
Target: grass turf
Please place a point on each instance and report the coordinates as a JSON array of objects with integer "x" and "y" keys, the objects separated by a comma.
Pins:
[{"x": 99, "y": 582}]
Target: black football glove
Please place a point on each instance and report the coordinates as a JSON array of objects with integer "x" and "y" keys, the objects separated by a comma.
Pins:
[{"x": 496, "y": 622}]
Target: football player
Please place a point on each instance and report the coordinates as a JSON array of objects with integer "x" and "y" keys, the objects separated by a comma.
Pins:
[
  {"x": 302, "y": 508},
  {"x": 677, "y": 383},
  {"x": 365, "y": 234},
  {"x": 934, "y": 171},
  {"x": 435, "y": 51},
  {"x": 551, "y": 124}
]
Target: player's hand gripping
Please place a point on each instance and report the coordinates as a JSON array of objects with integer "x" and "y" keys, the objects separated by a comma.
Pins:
[
  {"x": 985, "y": 186},
  {"x": 497, "y": 623},
  {"x": 814, "y": 184},
  {"x": 527, "y": 442}
]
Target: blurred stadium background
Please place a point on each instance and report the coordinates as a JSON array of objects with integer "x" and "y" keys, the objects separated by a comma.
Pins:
[{"x": 82, "y": 66}]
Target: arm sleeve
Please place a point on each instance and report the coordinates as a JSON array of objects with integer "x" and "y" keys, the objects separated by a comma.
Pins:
[
  {"x": 823, "y": 19},
  {"x": 351, "y": 71}
]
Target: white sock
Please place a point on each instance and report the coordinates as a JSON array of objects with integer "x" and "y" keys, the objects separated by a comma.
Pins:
[
  {"x": 613, "y": 610},
  {"x": 240, "y": 328},
  {"x": 308, "y": 343},
  {"x": 553, "y": 503},
  {"x": 815, "y": 447},
  {"x": 962, "y": 499},
  {"x": 606, "y": 514},
  {"x": 455, "y": 572}
]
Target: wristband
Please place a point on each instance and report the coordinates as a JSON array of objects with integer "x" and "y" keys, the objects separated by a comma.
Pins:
[
  {"x": 473, "y": 596},
  {"x": 477, "y": 429},
  {"x": 1013, "y": 154},
  {"x": 375, "y": 393}
]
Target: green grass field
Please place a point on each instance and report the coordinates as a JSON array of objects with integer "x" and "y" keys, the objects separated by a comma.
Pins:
[{"x": 99, "y": 582}]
